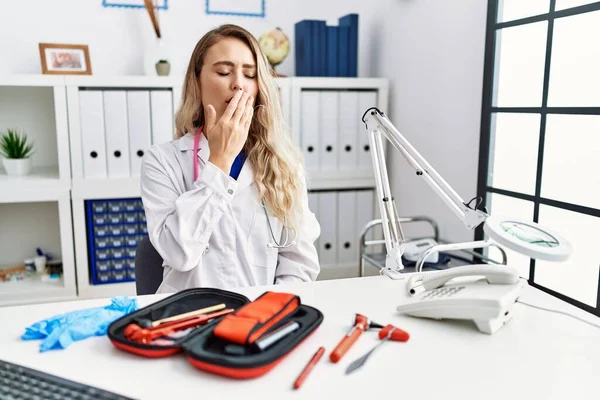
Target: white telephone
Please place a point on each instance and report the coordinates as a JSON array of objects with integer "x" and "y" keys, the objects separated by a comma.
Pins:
[{"x": 488, "y": 301}]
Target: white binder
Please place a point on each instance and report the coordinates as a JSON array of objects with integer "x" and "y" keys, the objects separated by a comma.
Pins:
[
  {"x": 328, "y": 219},
  {"x": 366, "y": 100},
  {"x": 93, "y": 144},
  {"x": 117, "y": 134},
  {"x": 138, "y": 113},
  {"x": 365, "y": 202},
  {"x": 328, "y": 128},
  {"x": 310, "y": 129},
  {"x": 313, "y": 205},
  {"x": 161, "y": 103},
  {"x": 348, "y": 235},
  {"x": 350, "y": 124}
]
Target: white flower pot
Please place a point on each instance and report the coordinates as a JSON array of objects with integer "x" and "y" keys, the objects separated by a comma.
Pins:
[
  {"x": 17, "y": 166},
  {"x": 155, "y": 51}
]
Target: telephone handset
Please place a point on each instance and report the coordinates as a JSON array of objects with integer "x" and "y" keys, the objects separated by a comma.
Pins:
[{"x": 483, "y": 293}]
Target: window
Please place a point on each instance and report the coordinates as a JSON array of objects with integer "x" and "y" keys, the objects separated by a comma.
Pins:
[{"x": 540, "y": 134}]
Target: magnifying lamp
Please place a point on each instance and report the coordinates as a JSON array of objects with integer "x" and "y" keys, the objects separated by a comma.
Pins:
[{"x": 525, "y": 237}]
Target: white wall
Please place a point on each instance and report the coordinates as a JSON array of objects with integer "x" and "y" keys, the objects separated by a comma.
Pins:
[
  {"x": 433, "y": 53},
  {"x": 118, "y": 38},
  {"x": 431, "y": 50}
]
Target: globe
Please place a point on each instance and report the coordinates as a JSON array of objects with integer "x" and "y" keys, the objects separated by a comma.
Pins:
[{"x": 275, "y": 45}]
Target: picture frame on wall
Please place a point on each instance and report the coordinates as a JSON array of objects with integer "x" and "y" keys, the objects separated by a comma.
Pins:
[
  {"x": 243, "y": 8},
  {"x": 158, "y": 4},
  {"x": 65, "y": 59}
]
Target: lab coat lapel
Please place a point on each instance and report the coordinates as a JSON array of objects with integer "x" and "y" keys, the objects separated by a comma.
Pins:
[{"x": 186, "y": 143}]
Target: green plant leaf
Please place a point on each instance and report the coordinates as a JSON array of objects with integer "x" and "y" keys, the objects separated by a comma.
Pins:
[{"x": 14, "y": 144}]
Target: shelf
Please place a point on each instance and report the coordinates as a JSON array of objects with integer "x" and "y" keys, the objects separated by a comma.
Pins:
[
  {"x": 338, "y": 83},
  {"x": 34, "y": 290},
  {"x": 133, "y": 81},
  {"x": 107, "y": 290},
  {"x": 42, "y": 184},
  {"x": 31, "y": 80},
  {"x": 106, "y": 188},
  {"x": 340, "y": 180}
]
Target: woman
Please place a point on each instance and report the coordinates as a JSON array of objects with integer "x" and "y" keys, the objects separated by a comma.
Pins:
[{"x": 207, "y": 194}]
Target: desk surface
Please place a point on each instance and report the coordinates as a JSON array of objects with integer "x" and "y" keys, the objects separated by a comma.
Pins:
[{"x": 538, "y": 355}]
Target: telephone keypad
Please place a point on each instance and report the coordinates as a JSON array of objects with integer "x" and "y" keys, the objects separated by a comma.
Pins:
[{"x": 443, "y": 292}]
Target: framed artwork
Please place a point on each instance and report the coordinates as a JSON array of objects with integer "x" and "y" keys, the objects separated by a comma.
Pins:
[
  {"x": 158, "y": 4},
  {"x": 244, "y": 8},
  {"x": 65, "y": 59}
]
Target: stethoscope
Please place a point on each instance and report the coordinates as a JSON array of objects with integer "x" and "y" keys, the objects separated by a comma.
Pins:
[{"x": 287, "y": 242}]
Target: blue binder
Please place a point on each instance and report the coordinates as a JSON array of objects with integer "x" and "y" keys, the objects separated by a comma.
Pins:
[
  {"x": 343, "y": 51},
  {"x": 332, "y": 51},
  {"x": 304, "y": 46},
  {"x": 319, "y": 40},
  {"x": 299, "y": 51},
  {"x": 351, "y": 21}
]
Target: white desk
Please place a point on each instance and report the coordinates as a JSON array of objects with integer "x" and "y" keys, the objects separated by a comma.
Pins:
[{"x": 538, "y": 355}]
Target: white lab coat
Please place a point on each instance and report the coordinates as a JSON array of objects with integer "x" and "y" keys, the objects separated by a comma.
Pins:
[{"x": 213, "y": 232}]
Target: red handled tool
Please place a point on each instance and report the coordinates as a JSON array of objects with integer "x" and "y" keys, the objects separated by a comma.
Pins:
[
  {"x": 146, "y": 335},
  {"x": 389, "y": 332}
]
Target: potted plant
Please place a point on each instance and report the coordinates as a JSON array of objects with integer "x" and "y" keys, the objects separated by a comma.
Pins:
[
  {"x": 163, "y": 67},
  {"x": 16, "y": 151}
]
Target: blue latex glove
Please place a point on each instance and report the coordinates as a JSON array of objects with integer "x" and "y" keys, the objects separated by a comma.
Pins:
[{"x": 60, "y": 331}]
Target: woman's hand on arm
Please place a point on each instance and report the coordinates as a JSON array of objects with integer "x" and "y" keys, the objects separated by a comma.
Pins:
[{"x": 227, "y": 136}]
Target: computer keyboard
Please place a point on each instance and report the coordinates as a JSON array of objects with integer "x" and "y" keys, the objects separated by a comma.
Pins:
[{"x": 19, "y": 382}]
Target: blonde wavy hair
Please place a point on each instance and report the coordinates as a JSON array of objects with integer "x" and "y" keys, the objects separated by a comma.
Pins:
[{"x": 277, "y": 162}]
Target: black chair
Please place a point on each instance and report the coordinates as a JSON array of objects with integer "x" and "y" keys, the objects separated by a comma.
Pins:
[{"x": 148, "y": 268}]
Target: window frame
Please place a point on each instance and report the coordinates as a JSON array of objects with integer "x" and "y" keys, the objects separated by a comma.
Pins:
[{"x": 488, "y": 110}]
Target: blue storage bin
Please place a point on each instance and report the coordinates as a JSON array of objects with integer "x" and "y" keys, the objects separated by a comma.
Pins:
[
  {"x": 103, "y": 266},
  {"x": 130, "y": 218},
  {"x": 100, "y": 231},
  {"x": 114, "y": 228},
  {"x": 131, "y": 230},
  {"x": 130, "y": 252},
  {"x": 117, "y": 241},
  {"x": 99, "y": 207},
  {"x": 118, "y": 265},
  {"x": 115, "y": 206},
  {"x": 100, "y": 219},
  {"x": 102, "y": 242},
  {"x": 131, "y": 241},
  {"x": 115, "y": 218}
]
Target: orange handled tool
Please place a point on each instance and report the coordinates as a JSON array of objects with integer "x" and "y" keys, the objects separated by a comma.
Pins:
[
  {"x": 346, "y": 342},
  {"x": 311, "y": 364},
  {"x": 361, "y": 324}
]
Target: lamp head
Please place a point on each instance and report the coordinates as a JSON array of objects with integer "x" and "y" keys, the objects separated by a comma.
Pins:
[{"x": 528, "y": 238}]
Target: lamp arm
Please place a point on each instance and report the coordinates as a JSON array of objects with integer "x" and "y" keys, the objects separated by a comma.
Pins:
[{"x": 379, "y": 125}]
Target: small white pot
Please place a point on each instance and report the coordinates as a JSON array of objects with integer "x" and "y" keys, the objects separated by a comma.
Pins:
[{"x": 17, "y": 166}]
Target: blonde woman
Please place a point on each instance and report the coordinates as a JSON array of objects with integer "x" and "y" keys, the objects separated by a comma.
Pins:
[{"x": 226, "y": 202}]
